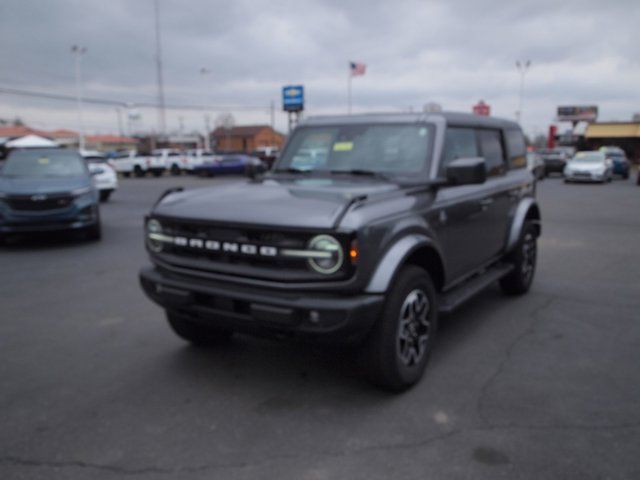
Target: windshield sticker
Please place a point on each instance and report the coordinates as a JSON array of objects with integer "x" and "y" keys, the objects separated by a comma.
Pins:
[
  {"x": 343, "y": 146},
  {"x": 43, "y": 161}
]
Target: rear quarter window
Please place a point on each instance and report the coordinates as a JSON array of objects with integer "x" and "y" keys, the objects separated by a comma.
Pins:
[{"x": 516, "y": 148}]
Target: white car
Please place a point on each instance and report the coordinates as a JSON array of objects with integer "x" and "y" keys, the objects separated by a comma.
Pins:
[
  {"x": 103, "y": 173},
  {"x": 591, "y": 166},
  {"x": 127, "y": 163}
]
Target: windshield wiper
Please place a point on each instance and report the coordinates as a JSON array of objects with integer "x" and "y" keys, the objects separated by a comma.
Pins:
[{"x": 361, "y": 172}]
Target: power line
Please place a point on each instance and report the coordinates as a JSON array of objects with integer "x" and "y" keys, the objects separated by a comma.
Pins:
[{"x": 127, "y": 104}]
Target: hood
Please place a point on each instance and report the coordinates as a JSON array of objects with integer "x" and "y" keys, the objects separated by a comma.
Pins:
[
  {"x": 300, "y": 203},
  {"x": 27, "y": 186}
]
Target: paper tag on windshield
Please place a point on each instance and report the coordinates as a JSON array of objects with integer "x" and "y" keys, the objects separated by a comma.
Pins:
[
  {"x": 342, "y": 146},
  {"x": 43, "y": 160}
]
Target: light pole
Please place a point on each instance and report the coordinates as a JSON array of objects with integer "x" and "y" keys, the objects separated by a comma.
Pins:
[
  {"x": 522, "y": 69},
  {"x": 207, "y": 118},
  {"x": 78, "y": 52}
]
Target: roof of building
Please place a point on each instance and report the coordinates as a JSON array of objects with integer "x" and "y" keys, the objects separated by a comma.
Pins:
[
  {"x": 31, "y": 141},
  {"x": 109, "y": 139},
  {"x": 613, "y": 130},
  {"x": 240, "y": 131}
]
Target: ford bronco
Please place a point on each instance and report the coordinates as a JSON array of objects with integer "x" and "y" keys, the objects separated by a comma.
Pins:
[{"x": 365, "y": 230}]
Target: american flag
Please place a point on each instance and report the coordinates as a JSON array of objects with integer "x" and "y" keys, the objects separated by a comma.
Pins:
[{"x": 357, "y": 68}]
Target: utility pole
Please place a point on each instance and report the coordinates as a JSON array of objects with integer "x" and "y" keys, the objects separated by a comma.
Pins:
[
  {"x": 78, "y": 52},
  {"x": 161, "y": 112},
  {"x": 207, "y": 132},
  {"x": 522, "y": 69}
]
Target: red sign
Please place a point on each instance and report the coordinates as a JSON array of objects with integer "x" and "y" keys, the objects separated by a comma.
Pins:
[{"x": 482, "y": 108}]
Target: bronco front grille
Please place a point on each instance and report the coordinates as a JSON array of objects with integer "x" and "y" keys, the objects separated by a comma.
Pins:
[{"x": 250, "y": 252}]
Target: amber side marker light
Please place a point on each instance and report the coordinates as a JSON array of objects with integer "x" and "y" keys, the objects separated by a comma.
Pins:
[{"x": 353, "y": 253}]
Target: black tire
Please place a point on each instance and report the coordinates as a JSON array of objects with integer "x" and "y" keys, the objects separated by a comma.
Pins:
[
  {"x": 94, "y": 232},
  {"x": 104, "y": 195},
  {"x": 196, "y": 333},
  {"x": 397, "y": 350},
  {"x": 137, "y": 171},
  {"x": 175, "y": 170},
  {"x": 523, "y": 257}
]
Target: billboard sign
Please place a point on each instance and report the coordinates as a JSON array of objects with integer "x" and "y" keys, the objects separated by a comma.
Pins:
[
  {"x": 578, "y": 113},
  {"x": 293, "y": 98}
]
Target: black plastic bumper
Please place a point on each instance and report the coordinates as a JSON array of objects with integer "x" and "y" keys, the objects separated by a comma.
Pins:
[{"x": 322, "y": 316}]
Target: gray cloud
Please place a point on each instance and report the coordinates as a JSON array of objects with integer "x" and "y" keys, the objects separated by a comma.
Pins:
[{"x": 416, "y": 51}]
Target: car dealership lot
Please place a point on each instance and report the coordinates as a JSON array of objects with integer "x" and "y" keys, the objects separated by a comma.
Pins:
[{"x": 94, "y": 385}]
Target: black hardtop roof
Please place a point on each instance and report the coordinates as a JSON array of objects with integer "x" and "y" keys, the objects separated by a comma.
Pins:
[{"x": 451, "y": 118}]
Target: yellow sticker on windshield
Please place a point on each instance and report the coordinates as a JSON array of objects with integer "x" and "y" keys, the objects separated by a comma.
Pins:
[
  {"x": 343, "y": 146},
  {"x": 43, "y": 160}
]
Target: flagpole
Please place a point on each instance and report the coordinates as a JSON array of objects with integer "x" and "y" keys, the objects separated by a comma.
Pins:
[{"x": 349, "y": 91}]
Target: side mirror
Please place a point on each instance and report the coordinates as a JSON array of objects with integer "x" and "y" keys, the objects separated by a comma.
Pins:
[{"x": 466, "y": 171}]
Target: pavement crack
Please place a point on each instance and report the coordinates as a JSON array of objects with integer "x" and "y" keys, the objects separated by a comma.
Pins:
[{"x": 507, "y": 357}]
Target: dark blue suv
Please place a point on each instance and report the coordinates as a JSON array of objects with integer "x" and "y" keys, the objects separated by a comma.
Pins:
[{"x": 47, "y": 190}]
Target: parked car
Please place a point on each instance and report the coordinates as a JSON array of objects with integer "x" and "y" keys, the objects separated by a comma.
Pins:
[
  {"x": 130, "y": 162},
  {"x": 47, "y": 189},
  {"x": 621, "y": 165},
  {"x": 535, "y": 164},
  {"x": 554, "y": 160},
  {"x": 196, "y": 157},
  {"x": 407, "y": 216},
  {"x": 591, "y": 166},
  {"x": 228, "y": 164},
  {"x": 267, "y": 154},
  {"x": 103, "y": 172},
  {"x": 175, "y": 161}
]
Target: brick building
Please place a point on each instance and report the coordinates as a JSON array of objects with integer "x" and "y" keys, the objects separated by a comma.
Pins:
[{"x": 246, "y": 138}]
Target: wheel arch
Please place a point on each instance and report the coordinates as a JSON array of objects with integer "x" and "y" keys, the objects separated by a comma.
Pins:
[
  {"x": 527, "y": 211},
  {"x": 414, "y": 249}
]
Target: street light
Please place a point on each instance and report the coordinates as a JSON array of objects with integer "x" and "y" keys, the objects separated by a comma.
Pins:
[
  {"x": 522, "y": 69},
  {"x": 78, "y": 52},
  {"x": 207, "y": 118}
]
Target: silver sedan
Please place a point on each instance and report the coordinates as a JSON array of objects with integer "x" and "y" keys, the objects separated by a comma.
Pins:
[{"x": 590, "y": 166}]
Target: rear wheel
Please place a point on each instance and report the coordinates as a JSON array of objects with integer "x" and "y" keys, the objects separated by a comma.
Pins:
[
  {"x": 175, "y": 170},
  {"x": 137, "y": 171},
  {"x": 104, "y": 195},
  {"x": 523, "y": 258},
  {"x": 196, "y": 333},
  {"x": 398, "y": 348}
]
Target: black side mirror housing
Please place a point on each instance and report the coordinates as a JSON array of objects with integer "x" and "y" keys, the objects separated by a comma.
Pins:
[{"x": 466, "y": 171}]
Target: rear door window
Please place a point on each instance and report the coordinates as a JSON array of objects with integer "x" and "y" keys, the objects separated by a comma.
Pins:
[{"x": 492, "y": 151}]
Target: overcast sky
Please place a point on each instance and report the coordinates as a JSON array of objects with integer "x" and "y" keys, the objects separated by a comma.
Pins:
[{"x": 453, "y": 53}]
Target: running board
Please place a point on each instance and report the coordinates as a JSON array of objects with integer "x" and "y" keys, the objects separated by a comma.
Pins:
[{"x": 451, "y": 300}]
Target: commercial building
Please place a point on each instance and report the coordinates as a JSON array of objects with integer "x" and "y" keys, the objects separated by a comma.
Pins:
[
  {"x": 246, "y": 138},
  {"x": 625, "y": 135}
]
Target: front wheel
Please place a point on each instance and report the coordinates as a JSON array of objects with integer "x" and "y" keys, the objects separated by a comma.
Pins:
[
  {"x": 523, "y": 258},
  {"x": 398, "y": 348},
  {"x": 175, "y": 170},
  {"x": 196, "y": 333},
  {"x": 104, "y": 195}
]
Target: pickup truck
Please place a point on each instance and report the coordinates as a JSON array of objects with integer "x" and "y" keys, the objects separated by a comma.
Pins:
[{"x": 393, "y": 221}]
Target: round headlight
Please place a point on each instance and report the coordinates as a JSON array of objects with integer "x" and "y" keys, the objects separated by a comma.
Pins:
[
  {"x": 329, "y": 256},
  {"x": 154, "y": 227}
]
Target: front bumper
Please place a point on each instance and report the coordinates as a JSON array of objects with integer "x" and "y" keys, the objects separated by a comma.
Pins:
[
  {"x": 74, "y": 218},
  {"x": 323, "y": 316},
  {"x": 585, "y": 177}
]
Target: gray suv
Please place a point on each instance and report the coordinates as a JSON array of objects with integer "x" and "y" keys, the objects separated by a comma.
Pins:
[{"x": 367, "y": 228}]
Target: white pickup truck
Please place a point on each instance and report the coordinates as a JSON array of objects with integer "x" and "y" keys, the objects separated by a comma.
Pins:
[
  {"x": 173, "y": 160},
  {"x": 128, "y": 163}
]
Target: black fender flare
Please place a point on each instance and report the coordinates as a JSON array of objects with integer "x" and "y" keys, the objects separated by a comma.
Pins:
[
  {"x": 394, "y": 258},
  {"x": 527, "y": 208}
]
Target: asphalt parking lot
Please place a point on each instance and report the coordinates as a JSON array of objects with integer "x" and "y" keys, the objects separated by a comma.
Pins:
[{"x": 94, "y": 385}]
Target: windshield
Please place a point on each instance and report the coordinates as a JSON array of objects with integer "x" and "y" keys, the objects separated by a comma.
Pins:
[
  {"x": 389, "y": 149},
  {"x": 589, "y": 157},
  {"x": 39, "y": 163}
]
